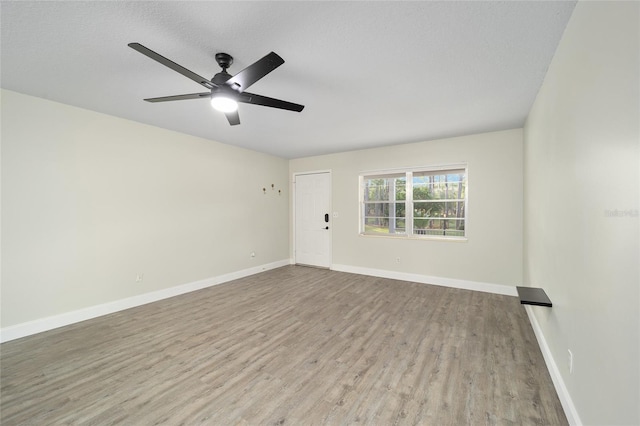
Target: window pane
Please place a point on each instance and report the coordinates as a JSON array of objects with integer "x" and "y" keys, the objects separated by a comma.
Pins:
[
  {"x": 442, "y": 227},
  {"x": 385, "y": 218},
  {"x": 422, "y": 188},
  {"x": 438, "y": 209},
  {"x": 376, "y": 210},
  {"x": 453, "y": 209},
  {"x": 428, "y": 209},
  {"x": 376, "y": 189},
  {"x": 386, "y": 188},
  {"x": 401, "y": 188},
  {"x": 432, "y": 186}
]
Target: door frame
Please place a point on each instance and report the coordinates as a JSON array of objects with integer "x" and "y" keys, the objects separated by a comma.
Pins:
[{"x": 293, "y": 212}]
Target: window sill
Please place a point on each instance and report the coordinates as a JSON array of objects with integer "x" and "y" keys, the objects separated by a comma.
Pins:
[{"x": 417, "y": 237}]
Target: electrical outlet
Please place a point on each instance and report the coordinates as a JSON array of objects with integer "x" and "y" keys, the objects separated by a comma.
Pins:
[
  {"x": 139, "y": 278},
  {"x": 570, "y": 359}
]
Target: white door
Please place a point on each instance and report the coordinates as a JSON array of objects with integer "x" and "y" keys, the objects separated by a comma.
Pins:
[{"x": 313, "y": 219}]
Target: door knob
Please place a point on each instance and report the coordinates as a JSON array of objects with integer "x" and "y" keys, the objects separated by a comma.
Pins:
[
  {"x": 326, "y": 217},
  {"x": 326, "y": 227}
]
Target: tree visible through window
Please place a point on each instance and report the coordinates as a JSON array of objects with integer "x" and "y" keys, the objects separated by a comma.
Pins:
[
  {"x": 384, "y": 204},
  {"x": 415, "y": 203}
]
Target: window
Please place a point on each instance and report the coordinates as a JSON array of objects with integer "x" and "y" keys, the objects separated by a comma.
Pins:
[{"x": 425, "y": 202}]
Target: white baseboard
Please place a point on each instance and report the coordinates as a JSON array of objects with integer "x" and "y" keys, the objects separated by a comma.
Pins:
[
  {"x": 426, "y": 279},
  {"x": 561, "y": 389},
  {"x": 49, "y": 323}
]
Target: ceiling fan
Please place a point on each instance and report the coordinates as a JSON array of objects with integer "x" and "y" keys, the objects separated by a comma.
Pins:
[{"x": 225, "y": 90}]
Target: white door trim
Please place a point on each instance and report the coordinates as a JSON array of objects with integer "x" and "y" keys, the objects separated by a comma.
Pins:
[{"x": 293, "y": 212}]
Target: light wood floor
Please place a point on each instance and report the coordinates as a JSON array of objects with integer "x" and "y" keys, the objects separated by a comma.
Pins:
[{"x": 293, "y": 346}]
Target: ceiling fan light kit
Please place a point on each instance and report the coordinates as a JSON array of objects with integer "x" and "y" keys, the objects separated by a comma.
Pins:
[
  {"x": 223, "y": 103},
  {"x": 225, "y": 90}
]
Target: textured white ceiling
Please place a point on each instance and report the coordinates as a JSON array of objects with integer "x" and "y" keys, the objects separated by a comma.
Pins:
[{"x": 369, "y": 73}]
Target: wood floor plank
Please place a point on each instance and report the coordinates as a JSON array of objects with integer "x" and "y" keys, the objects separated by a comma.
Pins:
[{"x": 294, "y": 345}]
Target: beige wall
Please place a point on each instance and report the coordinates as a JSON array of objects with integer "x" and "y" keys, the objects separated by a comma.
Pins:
[
  {"x": 90, "y": 200},
  {"x": 581, "y": 164},
  {"x": 493, "y": 252}
]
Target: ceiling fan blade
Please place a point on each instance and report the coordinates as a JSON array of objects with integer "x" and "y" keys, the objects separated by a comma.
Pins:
[
  {"x": 180, "y": 97},
  {"x": 169, "y": 63},
  {"x": 233, "y": 117},
  {"x": 255, "y": 72},
  {"x": 252, "y": 98}
]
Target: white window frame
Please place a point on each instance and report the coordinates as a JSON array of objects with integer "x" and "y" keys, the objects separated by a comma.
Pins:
[{"x": 409, "y": 201}]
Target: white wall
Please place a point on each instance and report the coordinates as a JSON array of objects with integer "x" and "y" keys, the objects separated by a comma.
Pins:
[
  {"x": 581, "y": 163},
  {"x": 90, "y": 200},
  {"x": 493, "y": 252}
]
